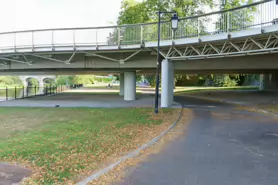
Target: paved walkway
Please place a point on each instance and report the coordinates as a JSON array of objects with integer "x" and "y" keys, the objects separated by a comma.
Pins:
[
  {"x": 79, "y": 98},
  {"x": 244, "y": 97},
  {"x": 223, "y": 146},
  {"x": 12, "y": 175}
]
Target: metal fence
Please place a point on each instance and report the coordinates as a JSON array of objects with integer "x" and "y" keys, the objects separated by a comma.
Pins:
[
  {"x": 13, "y": 93},
  {"x": 256, "y": 15}
]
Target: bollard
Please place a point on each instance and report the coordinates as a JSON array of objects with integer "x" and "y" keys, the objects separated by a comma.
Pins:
[
  {"x": 22, "y": 93},
  {"x": 14, "y": 92},
  {"x": 7, "y": 95},
  {"x": 35, "y": 90},
  {"x": 27, "y": 92}
]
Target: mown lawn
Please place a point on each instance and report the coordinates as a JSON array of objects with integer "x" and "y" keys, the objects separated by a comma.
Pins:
[
  {"x": 180, "y": 90},
  {"x": 63, "y": 145}
]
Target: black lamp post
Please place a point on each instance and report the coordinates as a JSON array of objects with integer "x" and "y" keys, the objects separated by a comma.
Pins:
[{"x": 174, "y": 21}]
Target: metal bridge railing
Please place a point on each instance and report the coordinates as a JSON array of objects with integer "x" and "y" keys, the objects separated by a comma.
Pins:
[{"x": 256, "y": 15}]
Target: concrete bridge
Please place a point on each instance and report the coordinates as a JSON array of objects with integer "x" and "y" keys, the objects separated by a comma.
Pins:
[
  {"x": 40, "y": 79},
  {"x": 218, "y": 42}
]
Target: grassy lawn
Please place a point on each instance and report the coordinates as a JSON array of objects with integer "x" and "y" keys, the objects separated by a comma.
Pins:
[
  {"x": 63, "y": 145},
  {"x": 180, "y": 90},
  {"x": 9, "y": 86},
  {"x": 101, "y": 86}
]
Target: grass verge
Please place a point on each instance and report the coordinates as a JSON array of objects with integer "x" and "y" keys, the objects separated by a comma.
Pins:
[
  {"x": 123, "y": 170},
  {"x": 180, "y": 90},
  {"x": 63, "y": 145},
  {"x": 271, "y": 108}
]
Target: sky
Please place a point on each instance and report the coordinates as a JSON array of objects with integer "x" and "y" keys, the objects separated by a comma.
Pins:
[
  {"x": 17, "y": 15},
  {"x": 40, "y": 14}
]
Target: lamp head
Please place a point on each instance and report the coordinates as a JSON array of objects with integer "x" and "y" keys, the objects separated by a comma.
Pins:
[{"x": 175, "y": 21}]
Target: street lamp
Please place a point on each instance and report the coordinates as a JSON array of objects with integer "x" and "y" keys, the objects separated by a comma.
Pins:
[{"x": 174, "y": 23}]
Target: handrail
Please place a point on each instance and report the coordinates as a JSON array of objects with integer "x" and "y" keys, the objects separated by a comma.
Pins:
[
  {"x": 228, "y": 10},
  {"x": 261, "y": 15},
  {"x": 141, "y": 24}
]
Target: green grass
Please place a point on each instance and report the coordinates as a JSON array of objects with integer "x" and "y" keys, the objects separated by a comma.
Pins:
[
  {"x": 180, "y": 90},
  {"x": 9, "y": 86},
  {"x": 97, "y": 86},
  {"x": 61, "y": 142},
  {"x": 97, "y": 93},
  {"x": 91, "y": 92}
]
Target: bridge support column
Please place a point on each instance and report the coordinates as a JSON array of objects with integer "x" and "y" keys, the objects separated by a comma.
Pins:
[
  {"x": 129, "y": 86},
  {"x": 269, "y": 82},
  {"x": 167, "y": 83},
  {"x": 261, "y": 87},
  {"x": 122, "y": 84}
]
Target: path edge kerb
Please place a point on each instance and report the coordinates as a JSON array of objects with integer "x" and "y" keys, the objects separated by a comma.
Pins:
[{"x": 131, "y": 154}]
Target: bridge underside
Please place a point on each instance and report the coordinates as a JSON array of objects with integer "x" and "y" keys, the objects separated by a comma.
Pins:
[
  {"x": 247, "y": 51},
  {"x": 255, "y": 54},
  {"x": 142, "y": 63}
]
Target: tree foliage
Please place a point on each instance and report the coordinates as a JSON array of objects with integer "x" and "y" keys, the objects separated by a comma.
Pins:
[
  {"x": 238, "y": 19},
  {"x": 134, "y": 12},
  {"x": 75, "y": 79},
  {"x": 224, "y": 80},
  {"x": 10, "y": 80}
]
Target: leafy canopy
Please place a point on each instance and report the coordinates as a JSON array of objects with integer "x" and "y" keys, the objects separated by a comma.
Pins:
[{"x": 133, "y": 11}]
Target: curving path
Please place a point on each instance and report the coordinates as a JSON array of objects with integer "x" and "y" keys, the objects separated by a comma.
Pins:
[{"x": 223, "y": 146}]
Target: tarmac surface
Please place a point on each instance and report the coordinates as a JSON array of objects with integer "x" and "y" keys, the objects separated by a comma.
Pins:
[{"x": 222, "y": 146}]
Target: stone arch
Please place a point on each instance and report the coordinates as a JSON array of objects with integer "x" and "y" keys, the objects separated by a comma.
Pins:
[
  {"x": 40, "y": 83},
  {"x": 30, "y": 81},
  {"x": 40, "y": 79},
  {"x": 49, "y": 80}
]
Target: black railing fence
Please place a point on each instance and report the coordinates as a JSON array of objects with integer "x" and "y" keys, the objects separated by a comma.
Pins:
[{"x": 13, "y": 93}]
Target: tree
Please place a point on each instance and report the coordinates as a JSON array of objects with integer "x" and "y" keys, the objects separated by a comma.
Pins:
[
  {"x": 63, "y": 80},
  {"x": 224, "y": 80},
  {"x": 150, "y": 79},
  {"x": 134, "y": 12},
  {"x": 238, "y": 19},
  {"x": 33, "y": 82},
  {"x": 10, "y": 80},
  {"x": 75, "y": 79}
]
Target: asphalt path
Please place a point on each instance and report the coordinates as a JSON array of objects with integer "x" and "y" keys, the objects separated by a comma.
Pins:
[{"x": 222, "y": 146}]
